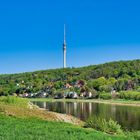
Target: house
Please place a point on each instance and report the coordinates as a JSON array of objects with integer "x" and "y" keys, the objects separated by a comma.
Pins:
[
  {"x": 31, "y": 95},
  {"x": 71, "y": 95},
  {"x": 59, "y": 96},
  {"x": 113, "y": 91},
  {"x": 80, "y": 83},
  {"x": 41, "y": 95},
  {"x": 82, "y": 94},
  {"x": 74, "y": 95},
  {"x": 89, "y": 95},
  {"x": 86, "y": 94},
  {"x": 25, "y": 95},
  {"x": 67, "y": 86},
  {"x": 17, "y": 85}
]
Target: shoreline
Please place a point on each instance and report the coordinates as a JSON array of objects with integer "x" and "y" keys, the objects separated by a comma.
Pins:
[
  {"x": 45, "y": 120},
  {"x": 111, "y": 102},
  {"x": 59, "y": 117}
]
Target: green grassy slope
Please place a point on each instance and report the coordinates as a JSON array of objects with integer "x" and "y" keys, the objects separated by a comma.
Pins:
[
  {"x": 34, "y": 129},
  {"x": 20, "y": 122}
]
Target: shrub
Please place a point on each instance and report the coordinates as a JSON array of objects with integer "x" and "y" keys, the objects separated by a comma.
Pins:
[
  {"x": 105, "y": 96},
  {"x": 130, "y": 95},
  {"x": 138, "y": 97},
  {"x": 108, "y": 126},
  {"x": 134, "y": 135}
]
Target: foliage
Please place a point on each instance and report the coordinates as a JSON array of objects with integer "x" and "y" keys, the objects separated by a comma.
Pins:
[
  {"x": 26, "y": 125},
  {"x": 14, "y": 101},
  {"x": 103, "y": 125},
  {"x": 105, "y": 96},
  {"x": 97, "y": 83},
  {"x": 121, "y": 76},
  {"x": 130, "y": 95},
  {"x": 34, "y": 129},
  {"x": 135, "y": 135}
]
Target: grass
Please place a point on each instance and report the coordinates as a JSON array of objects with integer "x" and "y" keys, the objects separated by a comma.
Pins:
[
  {"x": 19, "y": 122},
  {"x": 12, "y": 128},
  {"x": 117, "y": 101},
  {"x": 11, "y": 100},
  {"x": 21, "y": 108},
  {"x": 109, "y": 126}
]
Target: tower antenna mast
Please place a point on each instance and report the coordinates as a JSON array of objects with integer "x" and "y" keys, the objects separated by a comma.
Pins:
[{"x": 64, "y": 48}]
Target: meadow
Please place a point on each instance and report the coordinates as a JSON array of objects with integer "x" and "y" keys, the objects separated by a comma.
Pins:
[
  {"x": 26, "y": 124},
  {"x": 12, "y": 128}
]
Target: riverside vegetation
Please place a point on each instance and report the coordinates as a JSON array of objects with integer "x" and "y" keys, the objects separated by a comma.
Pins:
[
  {"x": 99, "y": 80},
  {"x": 21, "y": 120}
]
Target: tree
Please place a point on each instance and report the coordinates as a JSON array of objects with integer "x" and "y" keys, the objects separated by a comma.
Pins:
[{"x": 99, "y": 82}]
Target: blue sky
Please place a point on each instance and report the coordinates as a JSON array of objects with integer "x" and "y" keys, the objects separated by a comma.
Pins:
[{"x": 98, "y": 31}]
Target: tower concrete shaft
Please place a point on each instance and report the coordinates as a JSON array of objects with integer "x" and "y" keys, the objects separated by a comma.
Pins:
[{"x": 64, "y": 49}]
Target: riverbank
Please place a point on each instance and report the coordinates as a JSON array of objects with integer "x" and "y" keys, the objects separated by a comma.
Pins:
[
  {"x": 22, "y": 120},
  {"x": 36, "y": 112},
  {"x": 114, "y": 102},
  {"x": 36, "y": 129}
]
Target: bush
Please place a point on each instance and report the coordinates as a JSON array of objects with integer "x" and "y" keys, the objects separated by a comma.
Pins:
[
  {"x": 110, "y": 126},
  {"x": 105, "y": 96},
  {"x": 130, "y": 95},
  {"x": 138, "y": 97},
  {"x": 134, "y": 135}
]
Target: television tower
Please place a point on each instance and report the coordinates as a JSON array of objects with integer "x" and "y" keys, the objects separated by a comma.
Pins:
[{"x": 64, "y": 49}]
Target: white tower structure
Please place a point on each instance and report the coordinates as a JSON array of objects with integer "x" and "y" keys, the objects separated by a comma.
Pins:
[{"x": 64, "y": 49}]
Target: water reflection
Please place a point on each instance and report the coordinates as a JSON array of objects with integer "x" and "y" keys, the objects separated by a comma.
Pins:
[{"x": 127, "y": 116}]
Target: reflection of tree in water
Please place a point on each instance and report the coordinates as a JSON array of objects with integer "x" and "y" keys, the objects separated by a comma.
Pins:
[{"x": 127, "y": 116}]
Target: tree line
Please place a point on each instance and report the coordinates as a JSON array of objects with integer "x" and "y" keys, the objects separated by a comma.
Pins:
[{"x": 119, "y": 76}]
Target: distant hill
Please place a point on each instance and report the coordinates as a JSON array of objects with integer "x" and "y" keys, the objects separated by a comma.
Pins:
[{"x": 121, "y": 75}]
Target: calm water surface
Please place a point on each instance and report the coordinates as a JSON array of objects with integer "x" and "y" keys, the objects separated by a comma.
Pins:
[{"x": 127, "y": 116}]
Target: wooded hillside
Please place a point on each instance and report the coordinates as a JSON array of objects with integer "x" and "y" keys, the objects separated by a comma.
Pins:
[{"x": 122, "y": 75}]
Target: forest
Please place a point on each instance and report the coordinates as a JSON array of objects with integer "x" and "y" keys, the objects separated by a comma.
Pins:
[{"x": 122, "y": 77}]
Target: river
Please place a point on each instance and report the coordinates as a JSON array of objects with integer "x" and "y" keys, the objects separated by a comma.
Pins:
[{"x": 127, "y": 116}]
